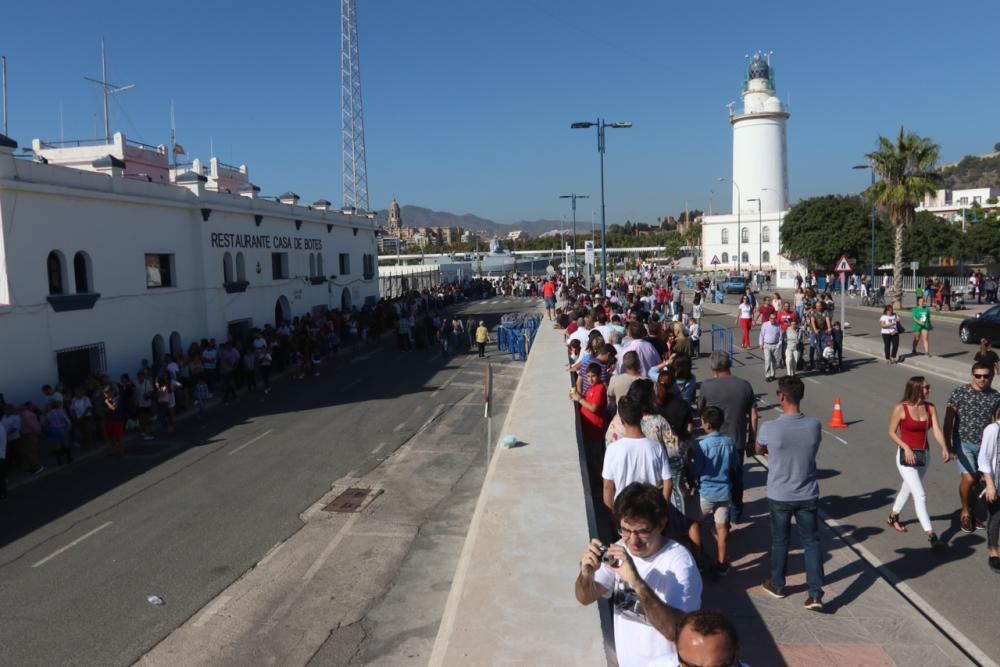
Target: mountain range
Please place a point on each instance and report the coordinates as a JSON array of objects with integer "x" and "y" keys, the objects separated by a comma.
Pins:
[{"x": 417, "y": 216}]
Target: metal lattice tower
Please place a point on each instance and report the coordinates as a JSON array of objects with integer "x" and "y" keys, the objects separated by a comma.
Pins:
[{"x": 352, "y": 110}]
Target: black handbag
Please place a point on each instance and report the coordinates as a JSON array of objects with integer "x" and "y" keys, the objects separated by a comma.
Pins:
[
  {"x": 921, "y": 461},
  {"x": 899, "y": 327}
]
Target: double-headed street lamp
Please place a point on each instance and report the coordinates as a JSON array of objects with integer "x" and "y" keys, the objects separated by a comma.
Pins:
[
  {"x": 739, "y": 223},
  {"x": 760, "y": 237},
  {"x": 574, "y": 197},
  {"x": 872, "y": 172},
  {"x": 601, "y": 125}
]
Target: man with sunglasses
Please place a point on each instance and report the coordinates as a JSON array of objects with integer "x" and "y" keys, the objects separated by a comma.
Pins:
[
  {"x": 970, "y": 410},
  {"x": 652, "y": 581}
]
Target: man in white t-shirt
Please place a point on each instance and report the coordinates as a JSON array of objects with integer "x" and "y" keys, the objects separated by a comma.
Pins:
[
  {"x": 634, "y": 457},
  {"x": 652, "y": 581}
]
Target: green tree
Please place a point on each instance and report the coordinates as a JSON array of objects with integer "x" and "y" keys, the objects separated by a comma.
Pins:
[
  {"x": 822, "y": 229},
  {"x": 906, "y": 171},
  {"x": 930, "y": 238}
]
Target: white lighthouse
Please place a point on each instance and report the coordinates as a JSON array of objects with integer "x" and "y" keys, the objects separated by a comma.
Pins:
[
  {"x": 748, "y": 239},
  {"x": 760, "y": 153}
]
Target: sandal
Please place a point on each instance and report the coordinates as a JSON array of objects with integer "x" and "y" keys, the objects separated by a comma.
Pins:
[{"x": 893, "y": 521}]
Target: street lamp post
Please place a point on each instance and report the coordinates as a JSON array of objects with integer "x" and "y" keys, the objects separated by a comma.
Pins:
[
  {"x": 601, "y": 125},
  {"x": 760, "y": 237},
  {"x": 872, "y": 172},
  {"x": 573, "y": 197},
  {"x": 739, "y": 223}
]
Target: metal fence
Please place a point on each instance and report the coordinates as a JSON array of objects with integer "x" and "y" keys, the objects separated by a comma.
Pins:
[
  {"x": 516, "y": 334},
  {"x": 722, "y": 339}
]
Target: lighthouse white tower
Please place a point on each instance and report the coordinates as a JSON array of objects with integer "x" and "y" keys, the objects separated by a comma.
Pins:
[
  {"x": 748, "y": 240},
  {"x": 760, "y": 149}
]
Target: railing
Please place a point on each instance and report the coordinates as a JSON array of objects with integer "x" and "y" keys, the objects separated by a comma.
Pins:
[
  {"x": 74, "y": 142},
  {"x": 147, "y": 147},
  {"x": 722, "y": 339},
  {"x": 516, "y": 334}
]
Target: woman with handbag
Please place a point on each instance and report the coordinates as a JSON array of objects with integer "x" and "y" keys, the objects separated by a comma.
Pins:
[
  {"x": 909, "y": 425},
  {"x": 889, "y": 326},
  {"x": 989, "y": 466}
]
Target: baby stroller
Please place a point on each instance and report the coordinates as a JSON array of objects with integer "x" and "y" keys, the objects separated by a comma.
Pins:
[{"x": 831, "y": 357}]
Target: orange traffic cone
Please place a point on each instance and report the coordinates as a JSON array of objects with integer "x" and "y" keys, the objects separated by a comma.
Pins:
[{"x": 837, "y": 421}]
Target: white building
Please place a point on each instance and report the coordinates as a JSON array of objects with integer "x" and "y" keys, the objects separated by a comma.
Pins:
[
  {"x": 748, "y": 238},
  {"x": 953, "y": 205},
  {"x": 117, "y": 258}
]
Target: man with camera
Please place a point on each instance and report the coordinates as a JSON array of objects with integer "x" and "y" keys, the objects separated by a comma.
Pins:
[{"x": 652, "y": 581}]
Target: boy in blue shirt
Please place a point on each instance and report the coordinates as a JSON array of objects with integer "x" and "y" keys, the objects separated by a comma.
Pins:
[{"x": 713, "y": 466}]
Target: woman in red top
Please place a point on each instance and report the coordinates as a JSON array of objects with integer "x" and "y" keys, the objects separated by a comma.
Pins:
[
  {"x": 593, "y": 421},
  {"x": 909, "y": 425}
]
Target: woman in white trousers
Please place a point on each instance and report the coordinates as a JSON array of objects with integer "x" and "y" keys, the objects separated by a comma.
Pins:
[{"x": 911, "y": 422}]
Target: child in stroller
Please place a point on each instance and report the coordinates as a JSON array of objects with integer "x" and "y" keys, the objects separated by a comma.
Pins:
[{"x": 832, "y": 358}]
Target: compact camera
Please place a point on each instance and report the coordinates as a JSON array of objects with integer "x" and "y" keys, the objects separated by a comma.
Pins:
[{"x": 608, "y": 558}]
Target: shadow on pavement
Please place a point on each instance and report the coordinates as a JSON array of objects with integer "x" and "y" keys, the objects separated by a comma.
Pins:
[{"x": 386, "y": 375}]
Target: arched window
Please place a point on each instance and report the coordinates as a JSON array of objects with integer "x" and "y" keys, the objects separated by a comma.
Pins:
[
  {"x": 176, "y": 346},
  {"x": 765, "y": 234},
  {"x": 725, "y": 236},
  {"x": 312, "y": 265},
  {"x": 227, "y": 268},
  {"x": 745, "y": 235},
  {"x": 81, "y": 273},
  {"x": 765, "y": 256},
  {"x": 158, "y": 348},
  {"x": 745, "y": 256},
  {"x": 319, "y": 264},
  {"x": 241, "y": 268},
  {"x": 56, "y": 268},
  {"x": 725, "y": 258}
]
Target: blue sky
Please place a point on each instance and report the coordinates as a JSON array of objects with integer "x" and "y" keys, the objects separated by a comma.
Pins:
[{"x": 468, "y": 103}]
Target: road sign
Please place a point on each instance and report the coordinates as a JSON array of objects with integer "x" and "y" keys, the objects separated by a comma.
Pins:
[
  {"x": 914, "y": 266},
  {"x": 715, "y": 260},
  {"x": 843, "y": 266},
  {"x": 588, "y": 247}
]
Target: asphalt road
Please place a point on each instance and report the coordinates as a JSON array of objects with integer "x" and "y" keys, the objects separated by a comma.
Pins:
[
  {"x": 184, "y": 516},
  {"x": 859, "y": 482}
]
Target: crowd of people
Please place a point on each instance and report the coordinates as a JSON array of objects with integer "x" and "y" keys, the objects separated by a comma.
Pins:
[
  {"x": 98, "y": 410},
  {"x": 665, "y": 452}
]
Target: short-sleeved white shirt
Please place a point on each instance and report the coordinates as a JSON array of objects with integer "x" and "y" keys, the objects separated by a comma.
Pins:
[
  {"x": 673, "y": 575},
  {"x": 629, "y": 460}
]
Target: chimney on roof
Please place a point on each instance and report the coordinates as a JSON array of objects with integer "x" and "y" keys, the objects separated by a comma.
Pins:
[
  {"x": 321, "y": 205},
  {"x": 109, "y": 165},
  {"x": 250, "y": 191},
  {"x": 289, "y": 198}
]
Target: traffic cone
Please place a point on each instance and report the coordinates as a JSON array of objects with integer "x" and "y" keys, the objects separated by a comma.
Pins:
[{"x": 837, "y": 421}]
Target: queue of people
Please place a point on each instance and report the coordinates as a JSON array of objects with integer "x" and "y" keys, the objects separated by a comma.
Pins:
[{"x": 665, "y": 460}]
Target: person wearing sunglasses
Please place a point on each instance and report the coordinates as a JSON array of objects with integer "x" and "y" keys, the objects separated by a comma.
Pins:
[
  {"x": 652, "y": 581},
  {"x": 910, "y": 424},
  {"x": 970, "y": 410}
]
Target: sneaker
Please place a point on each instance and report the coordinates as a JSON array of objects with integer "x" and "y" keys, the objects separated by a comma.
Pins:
[
  {"x": 995, "y": 564},
  {"x": 980, "y": 525},
  {"x": 736, "y": 514},
  {"x": 813, "y": 604},
  {"x": 769, "y": 587},
  {"x": 965, "y": 523},
  {"x": 722, "y": 569}
]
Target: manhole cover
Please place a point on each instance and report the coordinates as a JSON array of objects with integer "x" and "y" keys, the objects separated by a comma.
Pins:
[{"x": 350, "y": 500}]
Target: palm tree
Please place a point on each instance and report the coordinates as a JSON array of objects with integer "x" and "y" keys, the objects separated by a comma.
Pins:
[{"x": 906, "y": 171}]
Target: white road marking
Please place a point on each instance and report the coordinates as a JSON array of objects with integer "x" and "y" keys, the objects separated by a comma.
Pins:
[
  {"x": 437, "y": 413},
  {"x": 211, "y": 610},
  {"x": 835, "y": 437},
  {"x": 251, "y": 441},
  {"x": 435, "y": 393},
  {"x": 813, "y": 380},
  {"x": 399, "y": 427},
  {"x": 352, "y": 475},
  {"x": 71, "y": 544},
  {"x": 380, "y": 446}
]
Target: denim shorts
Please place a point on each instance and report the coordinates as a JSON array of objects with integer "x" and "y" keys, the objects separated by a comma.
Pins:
[
  {"x": 966, "y": 456},
  {"x": 550, "y": 302}
]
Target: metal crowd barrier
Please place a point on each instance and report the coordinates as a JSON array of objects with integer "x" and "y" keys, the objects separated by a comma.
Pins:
[
  {"x": 516, "y": 334},
  {"x": 722, "y": 339}
]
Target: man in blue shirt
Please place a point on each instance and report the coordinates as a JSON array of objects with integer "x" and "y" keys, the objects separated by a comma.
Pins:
[{"x": 790, "y": 443}]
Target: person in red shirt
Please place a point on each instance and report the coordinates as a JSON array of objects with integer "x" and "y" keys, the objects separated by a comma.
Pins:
[
  {"x": 593, "y": 420},
  {"x": 549, "y": 294},
  {"x": 764, "y": 311}
]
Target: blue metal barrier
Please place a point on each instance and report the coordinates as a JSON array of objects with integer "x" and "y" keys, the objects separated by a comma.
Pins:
[
  {"x": 516, "y": 334},
  {"x": 722, "y": 339}
]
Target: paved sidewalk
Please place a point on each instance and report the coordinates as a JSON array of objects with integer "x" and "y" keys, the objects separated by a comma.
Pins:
[{"x": 865, "y": 620}]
